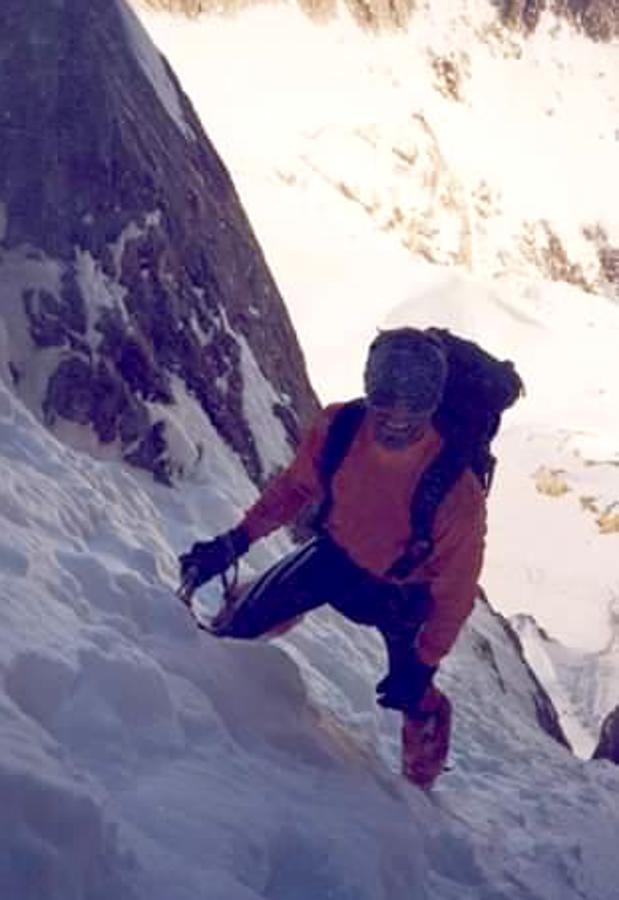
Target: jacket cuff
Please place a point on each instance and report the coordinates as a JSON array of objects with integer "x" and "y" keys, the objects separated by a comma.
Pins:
[{"x": 239, "y": 540}]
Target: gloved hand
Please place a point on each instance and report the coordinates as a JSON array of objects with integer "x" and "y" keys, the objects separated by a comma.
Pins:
[
  {"x": 404, "y": 687},
  {"x": 209, "y": 558}
]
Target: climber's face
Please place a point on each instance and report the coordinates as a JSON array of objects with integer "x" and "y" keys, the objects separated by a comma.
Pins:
[{"x": 396, "y": 426}]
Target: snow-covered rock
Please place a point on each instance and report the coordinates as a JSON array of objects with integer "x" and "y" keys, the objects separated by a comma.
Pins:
[
  {"x": 135, "y": 296},
  {"x": 582, "y": 685}
]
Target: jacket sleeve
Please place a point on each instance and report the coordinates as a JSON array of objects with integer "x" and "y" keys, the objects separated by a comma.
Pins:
[
  {"x": 454, "y": 568},
  {"x": 289, "y": 491}
]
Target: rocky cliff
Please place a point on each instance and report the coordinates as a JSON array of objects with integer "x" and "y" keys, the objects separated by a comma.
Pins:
[
  {"x": 133, "y": 290},
  {"x": 581, "y": 684},
  {"x": 599, "y": 19},
  {"x": 496, "y": 642},
  {"x": 608, "y": 744}
]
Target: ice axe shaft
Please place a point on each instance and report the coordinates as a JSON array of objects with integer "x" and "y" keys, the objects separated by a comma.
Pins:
[{"x": 188, "y": 587}]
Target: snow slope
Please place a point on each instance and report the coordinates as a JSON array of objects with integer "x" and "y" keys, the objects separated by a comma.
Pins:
[
  {"x": 136, "y": 755},
  {"x": 143, "y": 759}
]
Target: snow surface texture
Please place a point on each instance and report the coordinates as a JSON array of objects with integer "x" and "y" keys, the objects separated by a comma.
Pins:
[{"x": 141, "y": 759}]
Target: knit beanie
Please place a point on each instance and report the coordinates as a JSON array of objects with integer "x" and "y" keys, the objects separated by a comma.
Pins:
[{"x": 408, "y": 366}]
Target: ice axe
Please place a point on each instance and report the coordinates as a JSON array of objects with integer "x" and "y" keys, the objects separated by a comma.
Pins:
[{"x": 230, "y": 584}]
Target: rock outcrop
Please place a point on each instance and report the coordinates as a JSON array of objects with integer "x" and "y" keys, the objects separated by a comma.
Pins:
[
  {"x": 545, "y": 711},
  {"x": 133, "y": 288},
  {"x": 608, "y": 744},
  {"x": 599, "y": 19}
]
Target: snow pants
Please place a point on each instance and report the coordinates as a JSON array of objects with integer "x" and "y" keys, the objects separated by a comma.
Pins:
[{"x": 321, "y": 573}]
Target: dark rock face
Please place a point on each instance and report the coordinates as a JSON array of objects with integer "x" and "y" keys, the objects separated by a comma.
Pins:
[
  {"x": 608, "y": 744},
  {"x": 105, "y": 172},
  {"x": 545, "y": 711}
]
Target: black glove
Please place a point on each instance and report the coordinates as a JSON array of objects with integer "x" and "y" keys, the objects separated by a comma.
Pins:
[
  {"x": 403, "y": 688},
  {"x": 209, "y": 558}
]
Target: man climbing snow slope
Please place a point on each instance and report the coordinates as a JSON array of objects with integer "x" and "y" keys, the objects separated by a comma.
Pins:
[{"x": 400, "y": 531}]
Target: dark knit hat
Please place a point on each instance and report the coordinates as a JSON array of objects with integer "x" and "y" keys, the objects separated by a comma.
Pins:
[{"x": 408, "y": 366}]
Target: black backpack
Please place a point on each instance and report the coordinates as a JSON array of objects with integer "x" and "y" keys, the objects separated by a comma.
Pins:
[{"x": 479, "y": 388}]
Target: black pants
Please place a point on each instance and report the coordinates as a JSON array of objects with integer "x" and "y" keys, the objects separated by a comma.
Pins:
[{"x": 319, "y": 573}]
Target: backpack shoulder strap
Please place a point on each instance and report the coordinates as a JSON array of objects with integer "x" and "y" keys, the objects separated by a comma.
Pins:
[
  {"x": 479, "y": 389},
  {"x": 434, "y": 485},
  {"x": 341, "y": 433}
]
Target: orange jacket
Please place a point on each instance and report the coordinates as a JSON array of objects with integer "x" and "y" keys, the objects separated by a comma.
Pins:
[{"x": 370, "y": 519}]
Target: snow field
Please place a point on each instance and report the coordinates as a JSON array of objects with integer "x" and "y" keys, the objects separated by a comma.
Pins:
[
  {"x": 146, "y": 759},
  {"x": 131, "y": 740}
]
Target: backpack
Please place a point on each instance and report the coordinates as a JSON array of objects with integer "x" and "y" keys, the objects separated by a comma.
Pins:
[{"x": 478, "y": 390}]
